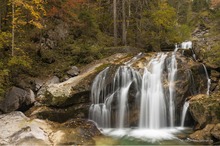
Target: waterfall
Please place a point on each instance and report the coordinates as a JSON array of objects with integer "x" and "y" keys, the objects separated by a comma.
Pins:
[
  {"x": 172, "y": 69},
  {"x": 184, "y": 111},
  {"x": 153, "y": 106},
  {"x": 192, "y": 83},
  {"x": 110, "y": 107},
  {"x": 208, "y": 79},
  {"x": 98, "y": 111},
  {"x": 123, "y": 78}
]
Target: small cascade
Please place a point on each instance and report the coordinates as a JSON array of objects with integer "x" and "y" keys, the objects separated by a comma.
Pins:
[
  {"x": 184, "y": 111},
  {"x": 172, "y": 69},
  {"x": 98, "y": 111},
  {"x": 183, "y": 51},
  {"x": 124, "y": 77},
  {"x": 186, "y": 45},
  {"x": 192, "y": 83},
  {"x": 208, "y": 80},
  {"x": 194, "y": 54},
  {"x": 153, "y": 113},
  {"x": 131, "y": 61},
  {"x": 102, "y": 97}
]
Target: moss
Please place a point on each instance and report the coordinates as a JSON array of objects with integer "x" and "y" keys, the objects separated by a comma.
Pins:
[
  {"x": 49, "y": 99},
  {"x": 102, "y": 67}
]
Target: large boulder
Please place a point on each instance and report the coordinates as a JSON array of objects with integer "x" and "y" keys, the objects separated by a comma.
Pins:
[
  {"x": 211, "y": 134},
  {"x": 16, "y": 98},
  {"x": 41, "y": 85},
  {"x": 74, "y": 71},
  {"x": 205, "y": 109},
  {"x": 68, "y": 92},
  {"x": 17, "y": 129},
  {"x": 216, "y": 132},
  {"x": 204, "y": 134}
]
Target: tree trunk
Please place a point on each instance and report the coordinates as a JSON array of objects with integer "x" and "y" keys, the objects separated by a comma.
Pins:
[
  {"x": 115, "y": 22},
  {"x": 123, "y": 24},
  {"x": 13, "y": 28},
  {"x": 0, "y": 21}
]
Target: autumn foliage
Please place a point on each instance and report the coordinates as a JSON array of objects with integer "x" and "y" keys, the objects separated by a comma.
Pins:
[{"x": 64, "y": 9}]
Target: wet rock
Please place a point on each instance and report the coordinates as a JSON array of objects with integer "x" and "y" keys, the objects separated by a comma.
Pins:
[
  {"x": 205, "y": 109},
  {"x": 204, "y": 134},
  {"x": 76, "y": 132},
  {"x": 74, "y": 71},
  {"x": 216, "y": 132},
  {"x": 16, "y": 98}
]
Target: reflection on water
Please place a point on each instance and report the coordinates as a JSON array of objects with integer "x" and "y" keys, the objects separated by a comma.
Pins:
[{"x": 128, "y": 136}]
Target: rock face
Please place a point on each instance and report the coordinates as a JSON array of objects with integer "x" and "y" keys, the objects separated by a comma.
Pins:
[
  {"x": 68, "y": 92},
  {"x": 205, "y": 109},
  {"x": 16, "y": 98},
  {"x": 204, "y": 134},
  {"x": 210, "y": 133},
  {"x": 41, "y": 86},
  {"x": 17, "y": 129}
]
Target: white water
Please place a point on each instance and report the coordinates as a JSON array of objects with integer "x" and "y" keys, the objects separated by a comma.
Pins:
[
  {"x": 172, "y": 69},
  {"x": 184, "y": 111},
  {"x": 150, "y": 135},
  {"x": 208, "y": 80},
  {"x": 98, "y": 111},
  {"x": 153, "y": 112},
  {"x": 124, "y": 77},
  {"x": 192, "y": 83},
  {"x": 186, "y": 45},
  {"x": 154, "y": 90}
]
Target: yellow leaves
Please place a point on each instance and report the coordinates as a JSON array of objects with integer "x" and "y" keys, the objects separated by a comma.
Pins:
[
  {"x": 5, "y": 39},
  {"x": 21, "y": 60},
  {"x": 29, "y": 12},
  {"x": 36, "y": 24},
  {"x": 165, "y": 16}
]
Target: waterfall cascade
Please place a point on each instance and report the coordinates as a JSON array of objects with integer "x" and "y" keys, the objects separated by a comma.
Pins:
[
  {"x": 184, "y": 111},
  {"x": 208, "y": 79},
  {"x": 153, "y": 112},
  {"x": 156, "y": 104}
]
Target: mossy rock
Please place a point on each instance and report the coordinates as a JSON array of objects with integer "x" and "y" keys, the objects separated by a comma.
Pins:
[{"x": 205, "y": 109}]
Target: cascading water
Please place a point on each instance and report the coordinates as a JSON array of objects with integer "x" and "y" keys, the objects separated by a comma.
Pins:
[
  {"x": 123, "y": 79},
  {"x": 184, "y": 111},
  {"x": 172, "y": 69},
  {"x": 100, "y": 110},
  {"x": 157, "y": 110},
  {"x": 208, "y": 79},
  {"x": 153, "y": 113},
  {"x": 192, "y": 83}
]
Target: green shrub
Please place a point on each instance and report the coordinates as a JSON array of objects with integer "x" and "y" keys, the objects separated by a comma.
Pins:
[{"x": 213, "y": 55}]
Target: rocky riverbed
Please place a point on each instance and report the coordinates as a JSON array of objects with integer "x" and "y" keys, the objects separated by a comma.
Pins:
[{"x": 56, "y": 112}]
